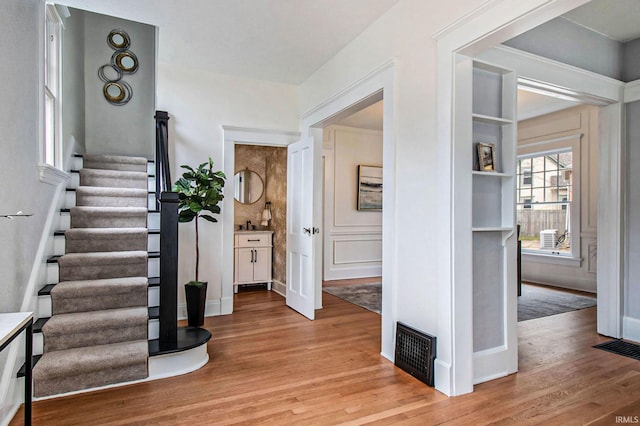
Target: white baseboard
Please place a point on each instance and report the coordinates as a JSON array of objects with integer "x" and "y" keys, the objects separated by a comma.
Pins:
[
  {"x": 631, "y": 329},
  {"x": 226, "y": 305},
  {"x": 212, "y": 309},
  {"x": 279, "y": 287},
  {"x": 346, "y": 273},
  {"x": 442, "y": 377},
  {"x": 490, "y": 364}
]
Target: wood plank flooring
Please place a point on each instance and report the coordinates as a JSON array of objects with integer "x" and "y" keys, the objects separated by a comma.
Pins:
[{"x": 269, "y": 365}]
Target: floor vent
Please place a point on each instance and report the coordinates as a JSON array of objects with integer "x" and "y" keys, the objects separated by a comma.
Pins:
[
  {"x": 621, "y": 347},
  {"x": 415, "y": 353}
]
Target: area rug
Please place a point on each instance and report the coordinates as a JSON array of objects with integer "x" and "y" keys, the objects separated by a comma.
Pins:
[
  {"x": 537, "y": 302},
  {"x": 368, "y": 296}
]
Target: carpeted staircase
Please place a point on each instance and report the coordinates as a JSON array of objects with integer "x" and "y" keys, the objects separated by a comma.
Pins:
[{"x": 98, "y": 331}]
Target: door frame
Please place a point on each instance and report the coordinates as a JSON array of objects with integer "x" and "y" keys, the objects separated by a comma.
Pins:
[
  {"x": 240, "y": 136},
  {"x": 376, "y": 85},
  {"x": 486, "y": 27}
]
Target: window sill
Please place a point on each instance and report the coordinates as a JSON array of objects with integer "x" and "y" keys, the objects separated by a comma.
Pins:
[
  {"x": 52, "y": 175},
  {"x": 553, "y": 259}
]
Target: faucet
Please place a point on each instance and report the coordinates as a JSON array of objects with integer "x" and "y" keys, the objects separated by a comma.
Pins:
[{"x": 248, "y": 225}]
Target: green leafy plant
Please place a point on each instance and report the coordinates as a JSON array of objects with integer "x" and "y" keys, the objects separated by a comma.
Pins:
[{"x": 199, "y": 192}]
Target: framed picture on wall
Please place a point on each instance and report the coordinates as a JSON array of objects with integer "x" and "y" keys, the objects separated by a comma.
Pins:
[
  {"x": 486, "y": 157},
  {"x": 369, "y": 188}
]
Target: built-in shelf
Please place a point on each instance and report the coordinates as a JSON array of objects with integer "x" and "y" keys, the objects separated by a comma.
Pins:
[
  {"x": 492, "y": 229},
  {"x": 491, "y": 120},
  {"x": 491, "y": 174}
]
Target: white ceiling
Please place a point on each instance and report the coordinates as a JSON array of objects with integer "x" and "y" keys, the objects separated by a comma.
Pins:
[
  {"x": 367, "y": 118},
  {"x": 282, "y": 41},
  {"x": 616, "y": 19},
  {"x": 531, "y": 104}
]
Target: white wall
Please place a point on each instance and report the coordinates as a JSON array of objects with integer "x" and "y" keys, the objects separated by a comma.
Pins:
[
  {"x": 579, "y": 120},
  {"x": 631, "y": 325},
  {"x": 199, "y": 103},
  {"x": 352, "y": 238},
  {"x": 119, "y": 129},
  {"x": 21, "y": 188},
  {"x": 404, "y": 33},
  {"x": 73, "y": 105}
]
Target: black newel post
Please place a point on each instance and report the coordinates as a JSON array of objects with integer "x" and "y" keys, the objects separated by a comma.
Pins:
[{"x": 168, "y": 267}]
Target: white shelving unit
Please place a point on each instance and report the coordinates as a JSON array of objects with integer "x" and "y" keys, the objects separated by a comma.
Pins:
[{"x": 489, "y": 198}]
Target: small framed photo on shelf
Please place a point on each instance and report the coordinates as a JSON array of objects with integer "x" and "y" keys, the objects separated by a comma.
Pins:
[{"x": 487, "y": 157}]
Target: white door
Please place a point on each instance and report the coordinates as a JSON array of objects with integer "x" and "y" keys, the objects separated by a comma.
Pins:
[{"x": 300, "y": 230}]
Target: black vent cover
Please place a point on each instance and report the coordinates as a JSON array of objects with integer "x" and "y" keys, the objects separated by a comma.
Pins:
[
  {"x": 415, "y": 352},
  {"x": 621, "y": 347}
]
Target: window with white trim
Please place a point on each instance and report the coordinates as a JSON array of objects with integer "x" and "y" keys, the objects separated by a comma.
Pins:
[
  {"x": 544, "y": 198},
  {"x": 52, "y": 146}
]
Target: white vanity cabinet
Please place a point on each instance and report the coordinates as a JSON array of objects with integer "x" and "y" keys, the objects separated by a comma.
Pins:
[{"x": 252, "y": 263}]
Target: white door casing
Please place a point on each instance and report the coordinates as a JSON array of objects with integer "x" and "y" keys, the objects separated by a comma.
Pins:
[{"x": 300, "y": 228}]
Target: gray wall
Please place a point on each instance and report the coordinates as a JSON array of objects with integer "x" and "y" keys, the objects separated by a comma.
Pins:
[
  {"x": 73, "y": 123},
  {"x": 632, "y": 291},
  {"x": 631, "y": 65},
  {"x": 126, "y": 129},
  {"x": 572, "y": 44}
]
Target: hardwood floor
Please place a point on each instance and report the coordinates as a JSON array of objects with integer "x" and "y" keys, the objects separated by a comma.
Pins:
[
  {"x": 352, "y": 281},
  {"x": 269, "y": 365}
]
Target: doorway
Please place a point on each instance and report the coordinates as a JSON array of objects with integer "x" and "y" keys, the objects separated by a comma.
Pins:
[
  {"x": 471, "y": 38},
  {"x": 352, "y": 208}
]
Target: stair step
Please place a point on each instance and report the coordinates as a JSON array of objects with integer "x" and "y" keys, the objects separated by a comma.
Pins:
[
  {"x": 108, "y": 217},
  {"x": 83, "y": 368},
  {"x": 60, "y": 232},
  {"x": 188, "y": 338},
  {"x": 153, "y": 312},
  {"x": 114, "y": 162},
  {"x": 46, "y": 290},
  {"x": 34, "y": 361},
  {"x": 98, "y": 196},
  {"x": 94, "y": 295},
  {"x": 56, "y": 258}
]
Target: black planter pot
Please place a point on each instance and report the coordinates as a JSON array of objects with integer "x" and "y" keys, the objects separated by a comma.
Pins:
[{"x": 196, "y": 302}]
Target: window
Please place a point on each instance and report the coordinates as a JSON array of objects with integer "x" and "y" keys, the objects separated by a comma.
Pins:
[
  {"x": 52, "y": 149},
  {"x": 544, "y": 197}
]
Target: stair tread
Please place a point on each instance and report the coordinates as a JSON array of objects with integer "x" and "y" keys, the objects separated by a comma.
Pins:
[
  {"x": 78, "y": 171},
  {"x": 34, "y": 361},
  {"x": 76, "y": 322},
  {"x": 123, "y": 156},
  {"x": 92, "y": 358},
  {"x": 100, "y": 287},
  {"x": 153, "y": 312},
  {"x": 61, "y": 232},
  {"x": 56, "y": 258},
  {"x": 46, "y": 290}
]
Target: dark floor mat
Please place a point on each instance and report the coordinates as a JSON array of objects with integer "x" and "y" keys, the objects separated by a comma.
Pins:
[{"x": 621, "y": 347}]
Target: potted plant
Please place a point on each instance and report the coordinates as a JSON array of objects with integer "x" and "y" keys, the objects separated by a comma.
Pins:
[{"x": 199, "y": 192}]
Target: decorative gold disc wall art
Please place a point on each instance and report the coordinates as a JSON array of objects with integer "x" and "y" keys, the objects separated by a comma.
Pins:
[{"x": 123, "y": 61}]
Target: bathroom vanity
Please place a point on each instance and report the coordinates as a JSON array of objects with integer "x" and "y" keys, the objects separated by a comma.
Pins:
[{"x": 252, "y": 258}]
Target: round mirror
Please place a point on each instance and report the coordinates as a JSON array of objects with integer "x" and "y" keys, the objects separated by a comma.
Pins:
[
  {"x": 125, "y": 60},
  {"x": 248, "y": 186},
  {"x": 118, "y": 39},
  {"x": 117, "y": 92}
]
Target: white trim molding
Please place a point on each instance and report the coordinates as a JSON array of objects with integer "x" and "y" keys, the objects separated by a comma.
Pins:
[
  {"x": 631, "y": 329},
  {"x": 632, "y": 92},
  {"x": 371, "y": 88},
  {"x": 243, "y": 136},
  {"x": 52, "y": 175},
  {"x": 492, "y": 23}
]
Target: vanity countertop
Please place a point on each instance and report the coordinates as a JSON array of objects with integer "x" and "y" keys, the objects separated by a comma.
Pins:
[{"x": 257, "y": 231}]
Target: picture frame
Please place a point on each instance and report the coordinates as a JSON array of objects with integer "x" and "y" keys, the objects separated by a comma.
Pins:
[
  {"x": 487, "y": 157},
  {"x": 369, "y": 188}
]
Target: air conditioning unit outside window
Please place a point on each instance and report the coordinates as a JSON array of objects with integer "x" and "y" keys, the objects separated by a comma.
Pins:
[{"x": 548, "y": 238}]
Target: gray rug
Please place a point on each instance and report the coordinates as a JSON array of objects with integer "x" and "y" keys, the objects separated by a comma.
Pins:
[
  {"x": 368, "y": 296},
  {"x": 537, "y": 302}
]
